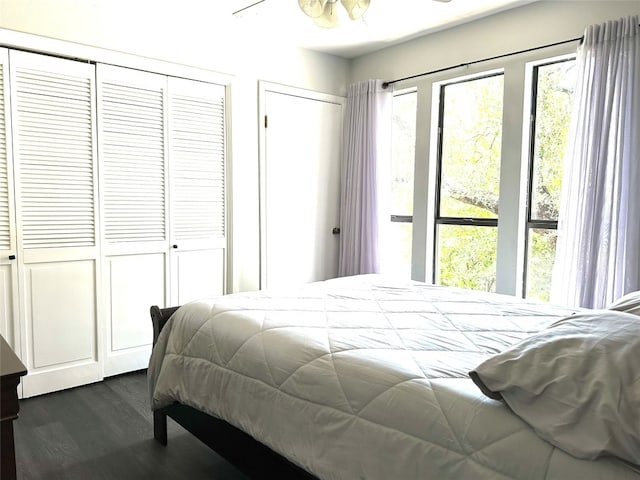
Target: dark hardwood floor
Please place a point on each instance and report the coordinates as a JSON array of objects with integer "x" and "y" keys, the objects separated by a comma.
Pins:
[{"x": 105, "y": 431}]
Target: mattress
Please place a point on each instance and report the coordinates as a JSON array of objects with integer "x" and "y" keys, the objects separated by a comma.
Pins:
[{"x": 365, "y": 377}]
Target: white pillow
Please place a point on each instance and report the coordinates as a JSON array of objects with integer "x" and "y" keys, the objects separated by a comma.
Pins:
[
  {"x": 629, "y": 303},
  {"x": 577, "y": 383}
]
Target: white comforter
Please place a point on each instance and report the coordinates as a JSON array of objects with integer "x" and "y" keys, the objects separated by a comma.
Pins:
[{"x": 364, "y": 378}]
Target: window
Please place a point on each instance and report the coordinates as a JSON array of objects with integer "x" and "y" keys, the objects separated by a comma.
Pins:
[
  {"x": 553, "y": 85},
  {"x": 398, "y": 256},
  {"x": 465, "y": 231},
  {"x": 468, "y": 179}
]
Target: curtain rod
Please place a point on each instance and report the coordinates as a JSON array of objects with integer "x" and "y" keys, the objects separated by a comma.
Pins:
[{"x": 391, "y": 82}]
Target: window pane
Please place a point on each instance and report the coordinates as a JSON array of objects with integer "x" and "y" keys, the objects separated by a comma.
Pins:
[
  {"x": 398, "y": 258},
  {"x": 553, "y": 103},
  {"x": 471, "y": 142},
  {"x": 540, "y": 258},
  {"x": 403, "y": 153},
  {"x": 553, "y": 112},
  {"x": 467, "y": 256}
]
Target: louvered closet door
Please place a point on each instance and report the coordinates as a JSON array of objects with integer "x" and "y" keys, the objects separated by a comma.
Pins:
[
  {"x": 53, "y": 119},
  {"x": 197, "y": 159},
  {"x": 132, "y": 152},
  {"x": 9, "y": 327}
]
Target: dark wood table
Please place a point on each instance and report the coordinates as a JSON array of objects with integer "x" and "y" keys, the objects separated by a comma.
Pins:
[{"x": 11, "y": 369}]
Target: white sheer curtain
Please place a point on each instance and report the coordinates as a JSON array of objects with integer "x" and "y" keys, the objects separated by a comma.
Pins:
[
  {"x": 598, "y": 247},
  {"x": 365, "y": 158}
]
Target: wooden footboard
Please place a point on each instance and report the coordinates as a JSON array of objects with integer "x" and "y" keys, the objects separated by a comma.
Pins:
[
  {"x": 237, "y": 447},
  {"x": 159, "y": 318}
]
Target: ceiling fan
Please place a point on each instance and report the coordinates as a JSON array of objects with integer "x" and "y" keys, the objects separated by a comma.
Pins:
[{"x": 324, "y": 12}]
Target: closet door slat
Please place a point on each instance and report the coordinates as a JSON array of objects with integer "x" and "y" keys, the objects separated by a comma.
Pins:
[
  {"x": 197, "y": 159},
  {"x": 5, "y": 224},
  {"x": 55, "y": 152},
  {"x": 132, "y": 115}
]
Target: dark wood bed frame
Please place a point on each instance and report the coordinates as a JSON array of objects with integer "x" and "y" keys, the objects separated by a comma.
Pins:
[{"x": 250, "y": 456}]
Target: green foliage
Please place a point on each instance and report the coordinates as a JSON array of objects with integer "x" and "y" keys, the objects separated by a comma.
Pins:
[
  {"x": 471, "y": 144},
  {"x": 553, "y": 116},
  {"x": 541, "y": 255},
  {"x": 467, "y": 257},
  {"x": 553, "y": 112}
]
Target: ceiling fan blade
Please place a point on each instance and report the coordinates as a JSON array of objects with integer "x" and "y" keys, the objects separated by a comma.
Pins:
[
  {"x": 244, "y": 9},
  {"x": 355, "y": 8},
  {"x": 312, "y": 8},
  {"x": 329, "y": 17}
]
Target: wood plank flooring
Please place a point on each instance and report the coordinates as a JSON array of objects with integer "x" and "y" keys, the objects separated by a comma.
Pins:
[{"x": 105, "y": 431}]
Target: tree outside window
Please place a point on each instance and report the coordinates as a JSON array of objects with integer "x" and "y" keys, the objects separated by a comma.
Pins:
[
  {"x": 553, "y": 87},
  {"x": 469, "y": 144}
]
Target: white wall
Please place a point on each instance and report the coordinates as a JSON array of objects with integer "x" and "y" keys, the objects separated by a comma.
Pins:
[
  {"x": 533, "y": 25},
  {"x": 187, "y": 32}
]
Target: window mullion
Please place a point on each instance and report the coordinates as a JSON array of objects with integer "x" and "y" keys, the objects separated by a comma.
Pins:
[{"x": 513, "y": 175}]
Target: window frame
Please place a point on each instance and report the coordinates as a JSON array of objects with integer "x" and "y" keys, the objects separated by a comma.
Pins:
[
  {"x": 531, "y": 224},
  {"x": 398, "y": 240},
  {"x": 404, "y": 218},
  {"x": 517, "y": 70},
  {"x": 443, "y": 220}
]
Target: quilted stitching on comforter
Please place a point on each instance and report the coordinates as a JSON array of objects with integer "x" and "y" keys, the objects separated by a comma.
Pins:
[{"x": 364, "y": 378}]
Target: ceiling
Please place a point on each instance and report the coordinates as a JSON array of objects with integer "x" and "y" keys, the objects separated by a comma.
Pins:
[{"x": 385, "y": 23}]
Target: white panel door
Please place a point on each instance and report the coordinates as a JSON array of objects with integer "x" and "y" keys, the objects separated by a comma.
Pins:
[
  {"x": 300, "y": 183},
  {"x": 133, "y": 177},
  {"x": 197, "y": 160},
  {"x": 9, "y": 327},
  {"x": 198, "y": 274},
  {"x": 53, "y": 130},
  {"x": 135, "y": 283}
]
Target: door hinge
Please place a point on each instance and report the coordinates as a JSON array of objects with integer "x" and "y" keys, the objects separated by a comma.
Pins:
[{"x": 265, "y": 121}]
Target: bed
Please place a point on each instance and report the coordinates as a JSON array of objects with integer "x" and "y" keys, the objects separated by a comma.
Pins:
[{"x": 361, "y": 377}]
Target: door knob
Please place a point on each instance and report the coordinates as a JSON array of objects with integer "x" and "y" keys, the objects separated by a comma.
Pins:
[
  {"x": 336, "y": 230},
  {"x": 12, "y": 257}
]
